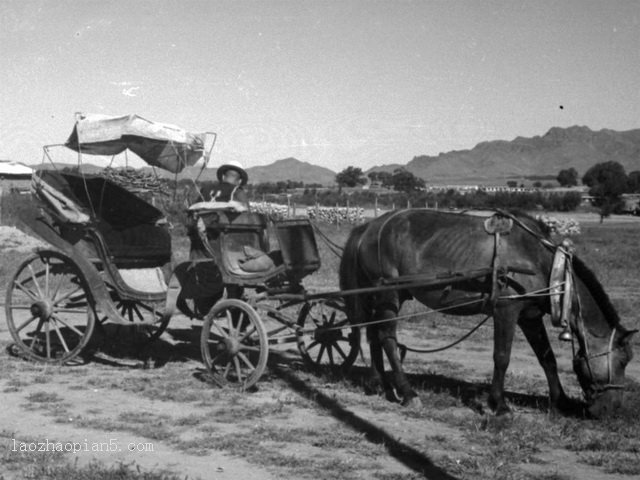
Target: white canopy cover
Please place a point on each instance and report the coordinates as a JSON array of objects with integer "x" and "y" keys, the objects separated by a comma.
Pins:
[{"x": 161, "y": 145}]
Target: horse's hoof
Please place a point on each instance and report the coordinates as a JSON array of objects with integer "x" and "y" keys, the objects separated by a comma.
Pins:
[
  {"x": 391, "y": 395},
  {"x": 503, "y": 411},
  {"x": 413, "y": 403}
]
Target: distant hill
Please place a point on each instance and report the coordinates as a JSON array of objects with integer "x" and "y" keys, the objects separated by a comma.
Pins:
[
  {"x": 540, "y": 156},
  {"x": 280, "y": 170},
  {"x": 291, "y": 169}
]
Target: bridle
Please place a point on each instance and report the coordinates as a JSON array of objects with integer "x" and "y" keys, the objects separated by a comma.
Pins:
[{"x": 586, "y": 357}]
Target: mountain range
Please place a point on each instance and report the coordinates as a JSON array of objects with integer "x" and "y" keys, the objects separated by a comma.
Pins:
[
  {"x": 530, "y": 158},
  {"x": 522, "y": 159}
]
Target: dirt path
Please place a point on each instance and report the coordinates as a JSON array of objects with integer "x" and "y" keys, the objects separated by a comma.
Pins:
[{"x": 98, "y": 403}]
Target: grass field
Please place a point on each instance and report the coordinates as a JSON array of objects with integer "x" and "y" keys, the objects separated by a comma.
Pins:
[{"x": 302, "y": 424}]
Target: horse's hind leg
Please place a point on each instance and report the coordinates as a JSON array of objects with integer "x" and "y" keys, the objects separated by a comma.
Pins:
[
  {"x": 387, "y": 337},
  {"x": 536, "y": 335},
  {"x": 376, "y": 379},
  {"x": 503, "y": 330}
]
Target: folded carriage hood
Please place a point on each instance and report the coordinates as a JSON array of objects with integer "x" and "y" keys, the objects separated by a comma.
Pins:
[{"x": 161, "y": 145}]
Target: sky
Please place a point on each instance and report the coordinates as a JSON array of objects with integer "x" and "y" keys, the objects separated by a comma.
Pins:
[{"x": 333, "y": 83}]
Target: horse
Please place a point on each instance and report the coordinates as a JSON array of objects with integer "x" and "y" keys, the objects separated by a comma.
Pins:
[{"x": 512, "y": 286}]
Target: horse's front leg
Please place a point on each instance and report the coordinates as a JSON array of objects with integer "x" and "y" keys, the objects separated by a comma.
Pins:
[
  {"x": 387, "y": 337},
  {"x": 535, "y": 333},
  {"x": 504, "y": 321}
]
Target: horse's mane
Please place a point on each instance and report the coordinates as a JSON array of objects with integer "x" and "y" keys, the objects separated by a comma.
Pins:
[
  {"x": 531, "y": 222},
  {"x": 597, "y": 291},
  {"x": 581, "y": 270}
]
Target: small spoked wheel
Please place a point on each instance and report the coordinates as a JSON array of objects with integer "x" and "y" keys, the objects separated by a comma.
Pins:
[
  {"x": 49, "y": 308},
  {"x": 147, "y": 317},
  {"x": 325, "y": 338},
  {"x": 234, "y": 344}
]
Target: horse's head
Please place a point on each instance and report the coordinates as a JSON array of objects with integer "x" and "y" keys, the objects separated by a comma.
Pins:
[
  {"x": 599, "y": 364},
  {"x": 603, "y": 347}
]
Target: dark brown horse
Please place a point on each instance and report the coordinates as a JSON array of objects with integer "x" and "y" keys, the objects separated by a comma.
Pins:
[{"x": 424, "y": 244}]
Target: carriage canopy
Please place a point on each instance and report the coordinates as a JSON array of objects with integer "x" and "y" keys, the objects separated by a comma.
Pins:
[{"x": 161, "y": 145}]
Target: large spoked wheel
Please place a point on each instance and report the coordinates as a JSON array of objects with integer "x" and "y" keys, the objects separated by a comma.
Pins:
[
  {"x": 49, "y": 308},
  {"x": 234, "y": 344},
  {"x": 325, "y": 338}
]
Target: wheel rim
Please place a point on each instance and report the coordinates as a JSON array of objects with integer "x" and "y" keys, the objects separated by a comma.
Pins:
[
  {"x": 234, "y": 344},
  {"x": 325, "y": 338},
  {"x": 49, "y": 308}
]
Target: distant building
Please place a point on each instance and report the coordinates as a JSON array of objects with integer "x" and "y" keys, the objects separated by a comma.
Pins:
[{"x": 15, "y": 176}]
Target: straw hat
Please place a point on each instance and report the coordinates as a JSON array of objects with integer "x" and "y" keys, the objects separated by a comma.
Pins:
[{"x": 233, "y": 165}]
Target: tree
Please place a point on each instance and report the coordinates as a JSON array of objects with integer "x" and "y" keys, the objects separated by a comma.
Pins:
[
  {"x": 607, "y": 182},
  {"x": 385, "y": 179},
  {"x": 634, "y": 182},
  {"x": 350, "y": 177},
  {"x": 405, "y": 181},
  {"x": 568, "y": 177}
]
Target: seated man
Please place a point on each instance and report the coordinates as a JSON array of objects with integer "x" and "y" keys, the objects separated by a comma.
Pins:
[{"x": 229, "y": 194}]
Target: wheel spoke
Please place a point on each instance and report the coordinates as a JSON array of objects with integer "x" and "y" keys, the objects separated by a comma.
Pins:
[
  {"x": 54, "y": 294},
  {"x": 26, "y": 322},
  {"x": 339, "y": 350},
  {"x": 248, "y": 334},
  {"x": 135, "y": 308},
  {"x": 249, "y": 348},
  {"x": 27, "y": 291},
  {"x": 246, "y": 361},
  {"x": 47, "y": 335},
  {"x": 68, "y": 295},
  {"x": 64, "y": 344},
  {"x": 46, "y": 278},
  {"x": 236, "y": 364},
  {"x": 35, "y": 280},
  {"x": 316, "y": 322},
  {"x": 320, "y": 353},
  {"x": 70, "y": 327},
  {"x": 229, "y": 321},
  {"x": 223, "y": 333},
  {"x": 330, "y": 354},
  {"x": 227, "y": 370}
]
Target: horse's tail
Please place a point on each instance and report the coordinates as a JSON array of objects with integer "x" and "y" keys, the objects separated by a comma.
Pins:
[{"x": 352, "y": 277}]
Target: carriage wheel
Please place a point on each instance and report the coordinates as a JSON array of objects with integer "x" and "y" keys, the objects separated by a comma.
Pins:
[
  {"x": 332, "y": 343},
  {"x": 49, "y": 308},
  {"x": 150, "y": 313},
  {"x": 234, "y": 344}
]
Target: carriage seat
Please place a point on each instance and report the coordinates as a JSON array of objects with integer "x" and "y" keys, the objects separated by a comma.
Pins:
[
  {"x": 139, "y": 244},
  {"x": 114, "y": 221}
]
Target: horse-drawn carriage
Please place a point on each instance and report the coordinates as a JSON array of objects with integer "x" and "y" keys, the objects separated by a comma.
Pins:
[{"x": 110, "y": 261}]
